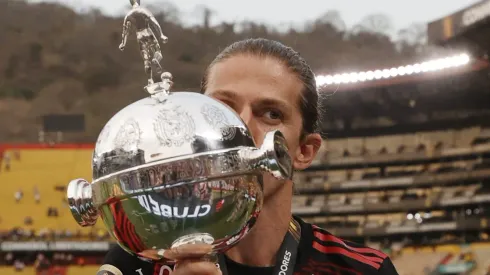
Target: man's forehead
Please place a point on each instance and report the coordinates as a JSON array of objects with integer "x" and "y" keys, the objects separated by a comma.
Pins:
[
  {"x": 262, "y": 69},
  {"x": 256, "y": 79},
  {"x": 270, "y": 99}
]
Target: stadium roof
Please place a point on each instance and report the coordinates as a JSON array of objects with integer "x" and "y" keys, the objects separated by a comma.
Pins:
[
  {"x": 453, "y": 91},
  {"x": 416, "y": 72},
  {"x": 469, "y": 26}
]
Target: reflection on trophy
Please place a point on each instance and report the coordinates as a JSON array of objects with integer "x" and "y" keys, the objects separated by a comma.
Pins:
[{"x": 175, "y": 167}]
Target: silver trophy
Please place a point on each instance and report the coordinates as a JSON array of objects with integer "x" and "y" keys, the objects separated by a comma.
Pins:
[{"x": 175, "y": 167}]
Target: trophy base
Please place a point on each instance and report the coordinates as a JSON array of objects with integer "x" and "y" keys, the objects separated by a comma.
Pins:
[
  {"x": 193, "y": 239},
  {"x": 159, "y": 90}
]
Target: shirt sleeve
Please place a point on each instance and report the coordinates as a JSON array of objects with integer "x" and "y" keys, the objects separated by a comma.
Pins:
[{"x": 387, "y": 268}]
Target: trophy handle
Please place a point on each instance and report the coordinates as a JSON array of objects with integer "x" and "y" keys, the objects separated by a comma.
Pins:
[
  {"x": 272, "y": 157},
  {"x": 276, "y": 160},
  {"x": 79, "y": 193}
]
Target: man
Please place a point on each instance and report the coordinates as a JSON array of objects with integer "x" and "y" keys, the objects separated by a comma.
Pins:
[{"x": 271, "y": 87}]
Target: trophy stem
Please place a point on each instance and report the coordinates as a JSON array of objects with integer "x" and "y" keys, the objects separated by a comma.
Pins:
[{"x": 197, "y": 238}]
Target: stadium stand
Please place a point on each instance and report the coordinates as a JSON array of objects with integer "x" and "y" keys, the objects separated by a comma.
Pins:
[
  {"x": 71, "y": 270},
  {"x": 406, "y": 202},
  {"x": 40, "y": 216},
  {"x": 41, "y": 174}
]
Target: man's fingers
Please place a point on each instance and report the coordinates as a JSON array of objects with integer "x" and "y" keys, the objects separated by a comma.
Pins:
[
  {"x": 188, "y": 267},
  {"x": 188, "y": 251}
]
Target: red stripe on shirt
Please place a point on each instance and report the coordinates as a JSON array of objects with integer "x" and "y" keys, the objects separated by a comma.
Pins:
[
  {"x": 372, "y": 261},
  {"x": 331, "y": 238}
]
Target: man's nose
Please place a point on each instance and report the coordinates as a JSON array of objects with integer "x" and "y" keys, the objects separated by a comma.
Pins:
[{"x": 250, "y": 120}]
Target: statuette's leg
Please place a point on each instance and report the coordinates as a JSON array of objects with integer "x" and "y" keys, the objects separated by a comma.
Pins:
[
  {"x": 146, "y": 61},
  {"x": 148, "y": 71},
  {"x": 157, "y": 57}
]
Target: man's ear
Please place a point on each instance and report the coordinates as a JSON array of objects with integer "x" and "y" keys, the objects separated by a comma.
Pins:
[{"x": 307, "y": 151}]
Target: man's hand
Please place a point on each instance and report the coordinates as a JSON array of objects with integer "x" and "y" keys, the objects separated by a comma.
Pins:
[
  {"x": 193, "y": 259},
  {"x": 187, "y": 267},
  {"x": 164, "y": 39},
  {"x": 189, "y": 259}
]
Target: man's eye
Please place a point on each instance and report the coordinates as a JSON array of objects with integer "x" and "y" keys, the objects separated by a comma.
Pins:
[{"x": 273, "y": 114}]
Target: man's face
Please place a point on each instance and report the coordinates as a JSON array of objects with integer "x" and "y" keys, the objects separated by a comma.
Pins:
[{"x": 265, "y": 94}]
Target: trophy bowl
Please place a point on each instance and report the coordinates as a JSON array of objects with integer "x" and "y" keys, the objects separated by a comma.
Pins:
[{"x": 177, "y": 170}]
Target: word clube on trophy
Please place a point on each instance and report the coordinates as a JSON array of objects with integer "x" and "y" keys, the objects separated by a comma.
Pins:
[{"x": 174, "y": 168}]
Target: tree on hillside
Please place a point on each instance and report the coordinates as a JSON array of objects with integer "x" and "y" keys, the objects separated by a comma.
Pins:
[
  {"x": 165, "y": 11},
  {"x": 375, "y": 23},
  {"x": 334, "y": 19},
  {"x": 414, "y": 37}
]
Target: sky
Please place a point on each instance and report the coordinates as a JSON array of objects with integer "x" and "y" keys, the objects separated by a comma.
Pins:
[{"x": 284, "y": 12}]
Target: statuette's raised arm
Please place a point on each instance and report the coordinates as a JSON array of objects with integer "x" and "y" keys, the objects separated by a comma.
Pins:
[
  {"x": 125, "y": 33},
  {"x": 157, "y": 30}
]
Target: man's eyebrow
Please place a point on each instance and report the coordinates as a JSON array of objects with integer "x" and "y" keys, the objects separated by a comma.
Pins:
[
  {"x": 224, "y": 93},
  {"x": 267, "y": 101},
  {"x": 274, "y": 102}
]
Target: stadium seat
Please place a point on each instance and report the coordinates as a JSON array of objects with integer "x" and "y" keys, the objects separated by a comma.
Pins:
[
  {"x": 44, "y": 170},
  {"x": 9, "y": 270},
  {"x": 464, "y": 138},
  {"x": 79, "y": 270},
  {"x": 481, "y": 252},
  {"x": 426, "y": 260}
]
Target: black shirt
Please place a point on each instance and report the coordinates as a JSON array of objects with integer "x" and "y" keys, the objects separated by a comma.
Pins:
[{"x": 319, "y": 253}]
